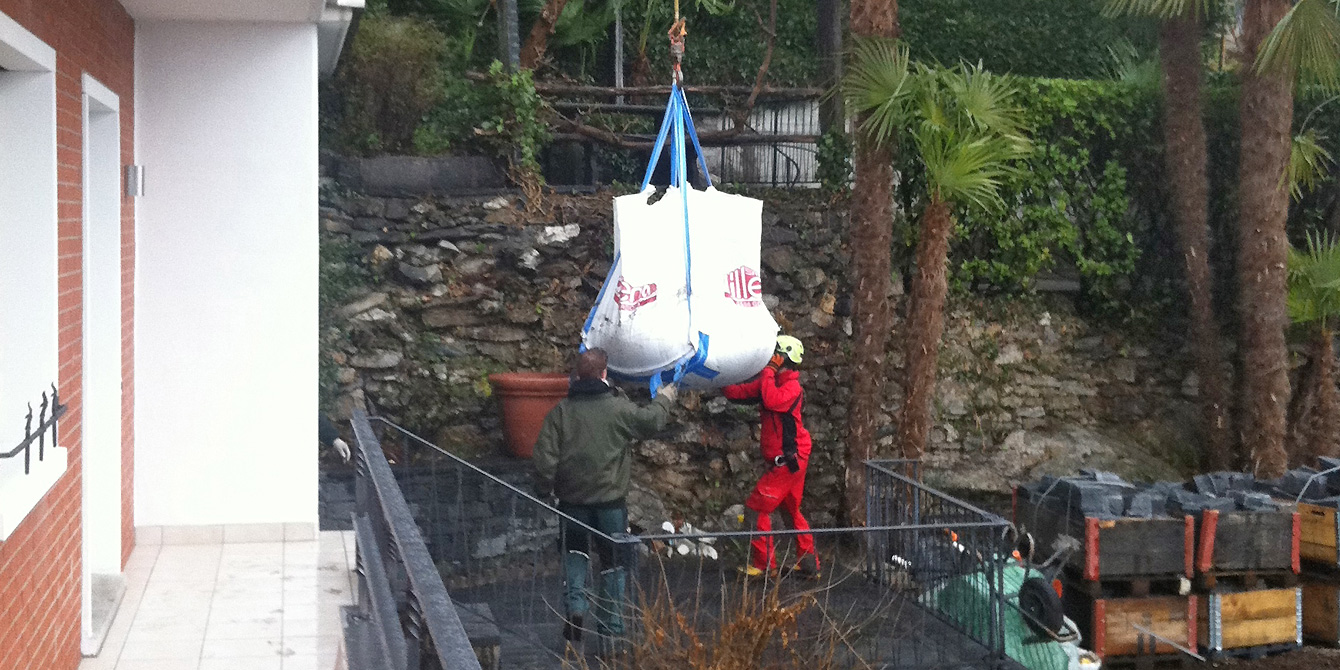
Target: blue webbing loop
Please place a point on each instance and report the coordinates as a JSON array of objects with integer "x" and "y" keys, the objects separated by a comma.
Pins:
[
  {"x": 591, "y": 317},
  {"x": 666, "y": 123},
  {"x": 698, "y": 364},
  {"x": 693, "y": 135},
  {"x": 677, "y": 120}
]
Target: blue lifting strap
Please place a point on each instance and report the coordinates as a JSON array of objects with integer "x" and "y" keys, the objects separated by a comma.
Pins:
[{"x": 676, "y": 126}]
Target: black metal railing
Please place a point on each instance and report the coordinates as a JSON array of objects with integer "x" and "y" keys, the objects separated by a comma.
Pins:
[
  {"x": 960, "y": 579},
  {"x": 772, "y": 144},
  {"x": 38, "y": 435},
  {"x": 918, "y": 587},
  {"x": 404, "y": 620}
]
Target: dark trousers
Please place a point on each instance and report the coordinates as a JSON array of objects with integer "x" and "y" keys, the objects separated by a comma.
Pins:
[{"x": 578, "y": 544}]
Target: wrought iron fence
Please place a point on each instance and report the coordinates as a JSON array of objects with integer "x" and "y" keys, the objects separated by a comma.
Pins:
[
  {"x": 772, "y": 144},
  {"x": 38, "y": 434},
  {"x": 918, "y": 587},
  {"x": 791, "y": 161}
]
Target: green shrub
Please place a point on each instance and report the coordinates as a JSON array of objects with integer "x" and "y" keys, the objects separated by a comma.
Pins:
[
  {"x": 392, "y": 77},
  {"x": 1035, "y": 38}
]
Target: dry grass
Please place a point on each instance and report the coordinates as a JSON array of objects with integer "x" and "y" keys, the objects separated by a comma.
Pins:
[{"x": 755, "y": 625}]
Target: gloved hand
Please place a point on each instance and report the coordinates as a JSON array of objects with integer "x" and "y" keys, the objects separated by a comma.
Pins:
[
  {"x": 776, "y": 361},
  {"x": 790, "y": 462},
  {"x": 670, "y": 391},
  {"x": 342, "y": 448}
]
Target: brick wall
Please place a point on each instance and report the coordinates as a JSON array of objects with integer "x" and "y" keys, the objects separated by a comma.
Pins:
[{"x": 40, "y": 562}]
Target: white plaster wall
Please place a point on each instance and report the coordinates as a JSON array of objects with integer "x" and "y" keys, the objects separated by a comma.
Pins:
[{"x": 226, "y": 292}]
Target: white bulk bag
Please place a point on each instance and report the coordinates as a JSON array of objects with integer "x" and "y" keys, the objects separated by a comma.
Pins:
[
  {"x": 649, "y": 322},
  {"x": 683, "y": 301},
  {"x": 727, "y": 297},
  {"x": 641, "y": 318}
]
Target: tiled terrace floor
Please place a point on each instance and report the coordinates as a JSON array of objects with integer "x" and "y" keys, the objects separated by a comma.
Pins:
[{"x": 245, "y": 606}]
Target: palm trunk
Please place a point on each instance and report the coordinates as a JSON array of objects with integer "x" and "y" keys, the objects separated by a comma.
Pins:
[
  {"x": 538, "y": 41},
  {"x": 871, "y": 242},
  {"x": 1267, "y": 115},
  {"x": 925, "y": 324},
  {"x": 1184, "y": 135},
  {"x": 1325, "y": 424},
  {"x": 831, "y": 112},
  {"x": 1301, "y": 412}
]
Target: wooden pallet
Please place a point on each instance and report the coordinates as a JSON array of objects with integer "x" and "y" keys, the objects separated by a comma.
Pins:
[
  {"x": 1319, "y": 536},
  {"x": 1249, "y": 622},
  {"x": 1246, "y": 580},
  {"x": 1112, "y": 627},
  {"x": 1128, "y": 587},
  {"x": 1321, "y": 609},
  {"x": 1160, "y": 662},
  {"x": 1247, "y": 542},
  {"x": 1254, "y": 653},
  {"x": 1112, "y": 549}
]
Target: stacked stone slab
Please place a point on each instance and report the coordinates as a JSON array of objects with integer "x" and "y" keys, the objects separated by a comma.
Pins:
[{"x": 1208, "y": 564}]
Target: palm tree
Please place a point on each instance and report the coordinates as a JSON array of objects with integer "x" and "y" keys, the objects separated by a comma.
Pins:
[
  {"x": 1314, "y": 301},
  {"x": 1185, "y": 158},
  {"x": 1284, "y": 40},
  {"x": 871, "y": 239},
  {"x": 965, "y": 131}
]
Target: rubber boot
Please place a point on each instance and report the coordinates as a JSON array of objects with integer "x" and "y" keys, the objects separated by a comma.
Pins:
[
  {"x": 611, "y": 602},
  {"x": 575, "y": 566}
]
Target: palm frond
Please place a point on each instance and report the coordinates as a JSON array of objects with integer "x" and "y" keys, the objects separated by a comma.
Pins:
[
  {"x": 1159, "y": 9},
  {"x": 878, "y": 84},
  {"x": 986, "y": 99},
  {"x": 962, "y": 122},
  {"x": 1314, "y": 280},
  {"x": 1309, "y": 163},
  {"x": 1306, "y": 43},
  {"x": 716, "y": 7}
]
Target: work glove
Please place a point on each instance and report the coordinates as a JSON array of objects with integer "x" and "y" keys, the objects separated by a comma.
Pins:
[
  {"x": 776, "y": 361},
  {"x": 342, "y": 448},
  {"x": 670, "y": 391},
  {"x": 790, "y": 462}
]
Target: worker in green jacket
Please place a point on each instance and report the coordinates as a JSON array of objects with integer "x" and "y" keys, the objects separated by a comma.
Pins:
[{"x": 582, "y": 457}]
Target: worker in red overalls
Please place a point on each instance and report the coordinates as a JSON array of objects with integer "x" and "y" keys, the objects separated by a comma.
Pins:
[{"x": 786, "y": 450}]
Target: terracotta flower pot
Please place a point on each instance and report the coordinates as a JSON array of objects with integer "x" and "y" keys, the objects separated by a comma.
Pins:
[{"x": 526, "y": 397}]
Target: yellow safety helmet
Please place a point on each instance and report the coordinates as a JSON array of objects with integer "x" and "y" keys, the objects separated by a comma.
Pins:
[{"x": 791, "y": 348}]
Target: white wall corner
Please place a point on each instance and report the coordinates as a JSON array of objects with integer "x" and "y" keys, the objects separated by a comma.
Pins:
[
  {"x": 21, "y": 50},
  {"x": 100, "y": 94}
]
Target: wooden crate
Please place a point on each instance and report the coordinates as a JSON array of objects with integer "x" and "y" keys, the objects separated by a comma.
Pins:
[
  {"x": 1243, "y": 541},
  {"x": 1109, "y": 624},
  {"x": 1251, "y": 620},
  {"x": 1319, "y": 532},
  {"x": 1321, "y": 610},
  {"x": 1111, "y": 549}
]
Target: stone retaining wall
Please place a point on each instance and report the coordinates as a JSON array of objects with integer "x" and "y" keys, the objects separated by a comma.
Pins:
[{"x": 463, "y": 287}]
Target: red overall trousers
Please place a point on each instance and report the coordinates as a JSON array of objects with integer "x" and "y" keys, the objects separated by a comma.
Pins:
[{"x": 780, "y": 401}]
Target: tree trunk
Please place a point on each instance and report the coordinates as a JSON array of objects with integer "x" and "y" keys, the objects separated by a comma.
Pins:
[
  {"x": 1325, "y": 424},
  {"x": 871, "y": 243},
  {"x": 509, "y": 35},
  {"x": 831, "y": 110},
  {"x": 1299, "y": 442},
  {"x": 925, "y": 324},
  {"x": 1185, "y": 153},
  {"x": 538, "y": 41},
  {"x": 1266, "y": 118}
]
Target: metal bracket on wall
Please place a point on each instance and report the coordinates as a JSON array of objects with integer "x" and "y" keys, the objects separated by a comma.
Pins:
[{"x": 134, "y": 181}]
